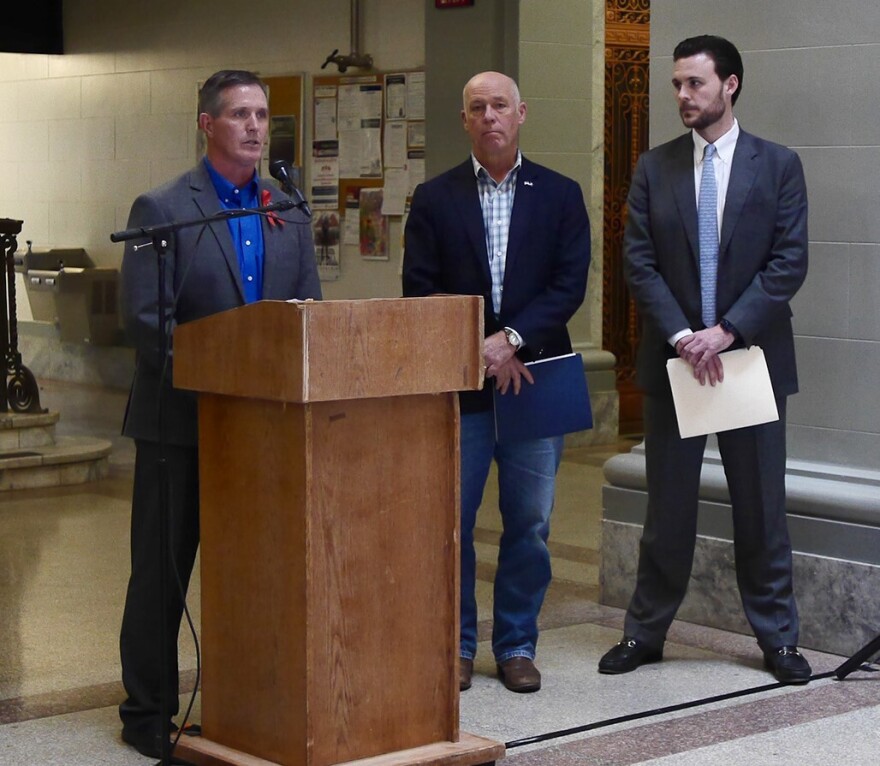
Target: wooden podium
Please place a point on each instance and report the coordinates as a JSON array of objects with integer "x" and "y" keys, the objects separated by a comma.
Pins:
[{"x": 328, "y": 449}]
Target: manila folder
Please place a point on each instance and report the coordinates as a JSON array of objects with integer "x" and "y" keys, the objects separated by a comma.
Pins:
[{"x": 744, "y": 398}]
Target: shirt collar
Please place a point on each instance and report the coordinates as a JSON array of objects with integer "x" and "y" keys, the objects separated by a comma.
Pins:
[
  {"x": 478, "y": 167},
  {"x": 226, "y": 189},
  {"x": 724, "y": 146}
]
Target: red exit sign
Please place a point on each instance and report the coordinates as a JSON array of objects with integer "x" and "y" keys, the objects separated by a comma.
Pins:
[{"x": 452, "y": 3}]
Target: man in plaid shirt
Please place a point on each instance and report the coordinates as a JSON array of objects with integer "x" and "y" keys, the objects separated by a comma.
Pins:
[{"x": 517, "y": 234}]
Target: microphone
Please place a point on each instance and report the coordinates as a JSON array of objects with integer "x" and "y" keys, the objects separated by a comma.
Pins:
[{"x": 280, "y": 171}]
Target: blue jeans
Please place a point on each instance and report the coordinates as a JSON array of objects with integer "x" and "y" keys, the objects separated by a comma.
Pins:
[{"x": 526, "y": 481}]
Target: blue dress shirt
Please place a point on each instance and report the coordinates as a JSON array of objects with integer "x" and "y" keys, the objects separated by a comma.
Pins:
[{"x": 247, "y": 231}]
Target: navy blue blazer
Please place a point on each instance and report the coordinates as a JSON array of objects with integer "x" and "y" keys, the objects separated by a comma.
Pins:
[
  {"x": 202, "y": 278},
  {"x": 548, "y": 256},
  {"x": 762, "y": 258}
]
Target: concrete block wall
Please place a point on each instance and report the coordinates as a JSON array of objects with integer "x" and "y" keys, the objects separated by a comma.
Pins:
[{"x": 82, "y": 134}]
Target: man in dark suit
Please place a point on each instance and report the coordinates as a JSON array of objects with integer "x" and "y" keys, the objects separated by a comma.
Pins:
[
  {"x": 517, "y": 234},
  {"x": 209, "y": 269},
  {"x": 704, "y": 283}
]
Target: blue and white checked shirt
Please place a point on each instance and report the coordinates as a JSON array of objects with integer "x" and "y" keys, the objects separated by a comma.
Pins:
[{"x": 496, "y": 200}]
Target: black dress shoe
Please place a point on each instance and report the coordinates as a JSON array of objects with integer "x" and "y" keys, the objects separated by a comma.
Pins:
[
  {"x": 788, "y": 665},
  {"x": 146, "y": 740},
  {"x": 627, "y": 655}
]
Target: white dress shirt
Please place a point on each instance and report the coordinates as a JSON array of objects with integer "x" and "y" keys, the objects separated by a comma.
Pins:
[{"x": 722, "y": 162}]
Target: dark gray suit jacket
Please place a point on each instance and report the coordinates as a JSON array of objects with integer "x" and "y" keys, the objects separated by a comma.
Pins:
[
  {"x": 203, "y": 278},
  {"x": 762, "y": 259}
]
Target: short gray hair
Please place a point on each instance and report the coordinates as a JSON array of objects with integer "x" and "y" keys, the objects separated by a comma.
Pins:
[{"x": 211, "y": 93}]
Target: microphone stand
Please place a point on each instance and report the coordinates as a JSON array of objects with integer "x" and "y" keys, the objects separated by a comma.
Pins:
[
  {"x": 158, "y": 236},
  {"x": 855, "y": 662}
]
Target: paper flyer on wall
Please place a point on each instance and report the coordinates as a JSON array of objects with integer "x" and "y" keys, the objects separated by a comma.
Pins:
[
  {"x": 325, "y": 183},
  {"x": 395, "y": 144},
  {"x": 351, "y": 224},
  {"x": 326, "y": 229},
  {"x": 395, "y": 97},
  {"x": 374, "y": 226},
  {"x": 415, "y": 96},
  {"x": 395, "y": 190}
]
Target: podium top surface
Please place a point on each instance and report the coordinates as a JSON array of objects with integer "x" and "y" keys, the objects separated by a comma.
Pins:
[{"x": 332, "y": 350}]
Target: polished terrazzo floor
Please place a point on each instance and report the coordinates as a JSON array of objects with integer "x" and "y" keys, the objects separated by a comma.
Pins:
[{"x": 63, "y": 570}]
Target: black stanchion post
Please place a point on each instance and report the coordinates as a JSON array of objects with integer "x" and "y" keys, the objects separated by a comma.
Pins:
[{"x": 862, "y": 655}]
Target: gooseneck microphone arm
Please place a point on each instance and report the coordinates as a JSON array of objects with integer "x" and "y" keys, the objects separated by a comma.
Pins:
[{"x": 151, "y": 232}]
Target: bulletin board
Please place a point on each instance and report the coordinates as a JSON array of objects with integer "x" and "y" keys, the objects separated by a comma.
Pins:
[
  {"x": 286, "y": 119},
  {"x": 367, "y": 157}
]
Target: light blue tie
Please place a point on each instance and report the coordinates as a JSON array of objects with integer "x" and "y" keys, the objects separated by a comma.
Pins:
[{"x": 708, "y": 227}]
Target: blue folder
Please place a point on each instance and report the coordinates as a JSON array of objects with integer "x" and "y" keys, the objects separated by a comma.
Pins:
[{"x": 556, "y": 403}]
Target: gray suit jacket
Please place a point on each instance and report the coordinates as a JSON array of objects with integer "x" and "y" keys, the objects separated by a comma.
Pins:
[
  {"x": 762, "y": 259},
  {"x": 202, "y": 278}
]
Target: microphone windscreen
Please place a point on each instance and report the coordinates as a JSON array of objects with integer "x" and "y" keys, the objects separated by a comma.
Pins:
[{"x": 278, "y": 170}]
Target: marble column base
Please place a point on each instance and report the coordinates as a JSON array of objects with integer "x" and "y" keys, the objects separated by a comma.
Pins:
[
  {"x": 47, "y": 356},
  {"x": 837, "y": 600},
  {"x": 601, "y": 382}
]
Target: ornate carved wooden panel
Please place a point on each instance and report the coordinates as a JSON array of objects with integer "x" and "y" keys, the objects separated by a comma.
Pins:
[{"x": 627, "y": 39}]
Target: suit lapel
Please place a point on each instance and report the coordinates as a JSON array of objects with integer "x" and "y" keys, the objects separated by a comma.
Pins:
[
  {"x": 527, "y": 186},
  {"x": 681, "y": 174},
  {"x": 742, "y": 177},
  {"x": 467, "y": 201},
  {"x": 205, "y": 198},
  {"x": 273, "y": 248}
]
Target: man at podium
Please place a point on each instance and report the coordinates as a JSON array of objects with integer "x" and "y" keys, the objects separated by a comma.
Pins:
[
  {"x": 209, "y": 269},
  {"x": 517, "y": 234}
]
